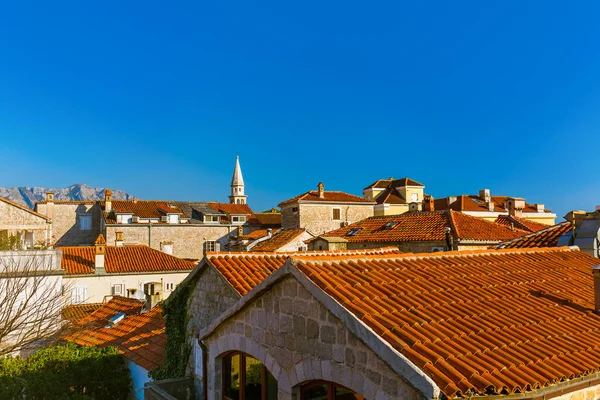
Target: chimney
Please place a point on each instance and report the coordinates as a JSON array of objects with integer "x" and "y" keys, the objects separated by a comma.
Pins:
[
  {"x": 540, "y": 208},
  {"x": 153, "y": 293},
  {"x": 596, "y": 275},
  {"x": 166, "y": 247},
  {"x": 240, "y": 231},
  {"x": 49, "y": 204},
  {"x": 269, "y": 232},
  {"x": 100, "y": 250},
  {"x": 118, "y": 239},
  {"x": 515, "y": 206},
  {"x": 485, "y": 195},
  {"x": 428, "y": 204},
  {"x": 107, "y": 200},
  {"x": 321, "y": 190},
  {"x": 451, "y": 200},
  {"x": 490, "y": 205}
]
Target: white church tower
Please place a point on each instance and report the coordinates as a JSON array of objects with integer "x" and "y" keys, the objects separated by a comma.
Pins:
[{"x": 237, "y": 185}]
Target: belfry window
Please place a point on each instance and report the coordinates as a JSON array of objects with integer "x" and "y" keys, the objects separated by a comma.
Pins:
[{"x": 245, "y": 378}]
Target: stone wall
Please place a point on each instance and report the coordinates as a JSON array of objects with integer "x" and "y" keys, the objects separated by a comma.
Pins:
[
  {"x": 299, "y": 340},
  {"x": 296, "y": 244},
  {"x": 188, "y": 240},
  {"x": 317, "y": 218},
  {"x": 14, "y": 220},
  {"x": 65, "y": 222}
]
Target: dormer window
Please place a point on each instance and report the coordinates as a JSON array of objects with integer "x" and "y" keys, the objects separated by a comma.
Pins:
[
  {"x": 173, "y": 218},
  {"x": 238, "y": 219},
  {"x": 124, "y": 218},
  {"x": 211, "y": 219}
]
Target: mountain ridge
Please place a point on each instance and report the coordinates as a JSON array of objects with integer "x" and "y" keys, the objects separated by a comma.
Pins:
[{"x": 29, "y": 195}]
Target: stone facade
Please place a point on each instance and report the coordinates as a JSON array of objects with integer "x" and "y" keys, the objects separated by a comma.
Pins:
[
  {"x": 66, "y": 222},
  {"x": 407, "y": 247},
  {"x": 188, "y": 241},
  {"x": 28, "y": 227},
  {"x": 317, "y": 217},
  {"x": 299, "y": 340}
]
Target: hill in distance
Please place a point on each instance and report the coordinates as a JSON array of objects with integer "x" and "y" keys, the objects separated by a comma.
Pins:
[{"x": 28, "y": 196}]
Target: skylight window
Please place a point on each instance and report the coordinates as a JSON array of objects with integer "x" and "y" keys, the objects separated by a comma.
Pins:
[
  {"x": 390, "y": 225},
  {"x": 353, "y": 231}
]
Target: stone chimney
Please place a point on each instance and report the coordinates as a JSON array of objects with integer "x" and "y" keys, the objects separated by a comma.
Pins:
[
  {"x": 451, "y": 200},
  {"x": 540, "y": 208},
  {"x": 515, "y": 206},
  {"x": 269, "y": 232},
  {"x": 49, "y": 204},
  {"x": 118, "y": 239},
  {"x": 428, "y": 203},
  {"x": 490, "y": 206},
  {"x": 484, "y": 194},
  {"x": 596, "y": 275},
  {"x": 107, "y": 200},
  {"x": 321, "y": 188},
  {"x": 100, "y": 250}
]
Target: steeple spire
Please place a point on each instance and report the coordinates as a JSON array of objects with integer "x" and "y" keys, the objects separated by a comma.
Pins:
[{"x": 237, "y": 185}]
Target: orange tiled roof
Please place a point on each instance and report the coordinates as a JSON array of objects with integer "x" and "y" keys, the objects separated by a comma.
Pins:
[
  {"x": 328, "y": 196},
  {"x": 235, "y": 209},
  {"x": 424, "y": 226},
  {"x": 76, "y": 312},
  {"x": 278, "y": 240},
  {"x": 269, "y": 219},
  {"x": 24, "y": 208},
  {"x": 68, "y": 202},
  {"x": 79, "y": 260},
  {"x": 145, "y": 209},
  {"x": 476, "y": 203},
  {"x": 245, "y": 270},
  {"x": 139, "y": 337},
  {"x": 257, "y": 234},
  {"x": 478, "y": 323},
  {"x": 520, "y": 223},
  {"x": 545, "y": 238}
]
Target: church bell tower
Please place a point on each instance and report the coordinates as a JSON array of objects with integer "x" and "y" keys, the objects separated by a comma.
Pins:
[{"x": 237, "y": 185}]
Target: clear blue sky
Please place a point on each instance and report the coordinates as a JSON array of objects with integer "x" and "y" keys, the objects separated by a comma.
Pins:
[{"x": 156, "y": 98}]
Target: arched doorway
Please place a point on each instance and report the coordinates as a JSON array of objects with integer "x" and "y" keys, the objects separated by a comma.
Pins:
[
  {"x": 246, "y": 378},
  {"x": 323, "y": 390}
]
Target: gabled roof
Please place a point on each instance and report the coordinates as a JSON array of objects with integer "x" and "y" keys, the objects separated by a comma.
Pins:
[
  {"x": 24, "y": 208},
  {"x": 279, "y": 239},
  {"x": 544, "y": 238},
  {"x": 520, "y": 223},
  {"x": 196, "y": 210},
  {"x": 491, "y": 322},
  {"x": 245, "y": 270},
  {"x": 424, "y": 226},
  {"x": 380, "y": 184},
  {"x": 328, "y": 196},
  {"x": 235, "y": 209},
  {"x": 476, "y": 203},
  {"x": 269, "y": 219},
  {"x": 140, "y": 337},
  {"x": 79, "y": 260},
  {"x": 145, "y": 209}
]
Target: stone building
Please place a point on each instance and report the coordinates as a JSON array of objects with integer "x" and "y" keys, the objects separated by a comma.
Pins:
[
  {"x": 419, "y": 232},
  {"x": 319, "y": 327},
  {"x": 28, "y": 228},
  {"x": 184, "y": 229},
  {"x": 94, "y": 273},
  {"x": 320, "y": 211}
]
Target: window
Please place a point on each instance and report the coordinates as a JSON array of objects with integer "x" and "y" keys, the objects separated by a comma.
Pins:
[
  {"x": 173, "y": 218},
  {"x": 414, "y": 197},
  {"x": 124, "y": 218},
  {"x": 337, "y": 214},
  {"x": 78, "y": 294},
  {"x": 245, "y": 378},
  {"x": 170, "y": 286},
  {"x": 318, "y": 390},
  {"x": 118, "y": 289},
  {"x": 436, "y": 249},
  {"x": 294, "y": 209},
  {"x": 238, "y": 218},
  {"x": 211, "y": 218},
  {"x": 85, "y": 222},
  {"x": 353, "y": 231},
  {"x": 210, "y": 245},
  {"x": 390, "y": 225}
]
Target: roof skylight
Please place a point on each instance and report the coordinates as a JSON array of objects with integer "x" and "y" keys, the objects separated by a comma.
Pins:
[{"x": 353, "y": 231}]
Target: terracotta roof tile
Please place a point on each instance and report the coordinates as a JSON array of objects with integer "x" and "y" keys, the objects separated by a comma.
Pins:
[
  {"x": 235, "y": 209},
  {"x": 424, "y": 226},
  {"x": 544, "y": 238},
  {"x": 380, "y": 184},
  {"x": 479, "y": 322},
  {"x": 476, "y": 203},
  {"x": 279, "y": 239},
  {"x": 269, "y": 219},
  {"x": 520, "y": 223},
  {"x": 24, "y": 208},
  {"x": 245, "y": 270},
  {"x": 80, "y": 260},
  {"x": 140, "y": 337},
  {"x": 76, "y": 312},
  {"x": 145, "y": 209},
  {"x": 328, "y": 196}
]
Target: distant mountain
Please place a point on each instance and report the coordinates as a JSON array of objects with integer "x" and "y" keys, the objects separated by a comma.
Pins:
[{"x": 28, "y": 196}]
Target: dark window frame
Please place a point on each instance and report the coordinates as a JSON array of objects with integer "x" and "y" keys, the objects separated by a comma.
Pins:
[
  {"x": 331, "y": 386},
  {"x": 242, "y": 376}
]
